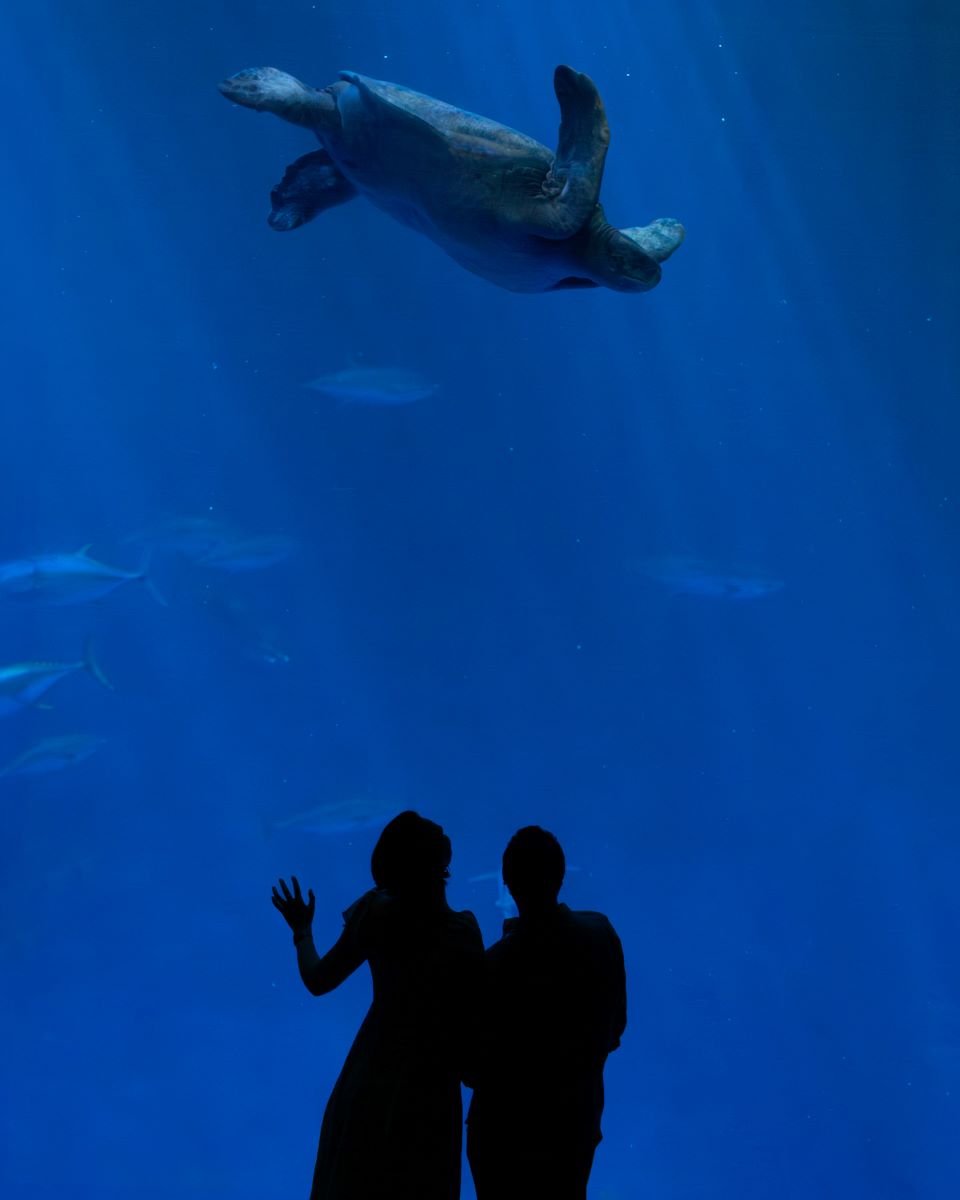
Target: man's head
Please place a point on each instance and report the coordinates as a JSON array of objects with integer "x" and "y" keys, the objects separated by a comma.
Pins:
[{"x": 533, "y": 867}]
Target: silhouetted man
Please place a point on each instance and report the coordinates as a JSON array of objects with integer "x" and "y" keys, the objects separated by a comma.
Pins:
[{"x": 554, "y": 1006}]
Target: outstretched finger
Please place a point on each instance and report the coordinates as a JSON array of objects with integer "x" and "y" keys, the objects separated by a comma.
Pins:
[{"x": 285, "y": 890}]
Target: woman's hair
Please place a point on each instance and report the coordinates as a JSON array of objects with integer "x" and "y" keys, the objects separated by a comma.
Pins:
[{"x": 411, "y": 855}]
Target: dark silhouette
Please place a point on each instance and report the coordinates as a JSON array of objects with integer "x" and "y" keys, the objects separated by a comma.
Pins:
[
  {"x": 392, "y": 1127},
  {"x": 554, "y": 1006}
]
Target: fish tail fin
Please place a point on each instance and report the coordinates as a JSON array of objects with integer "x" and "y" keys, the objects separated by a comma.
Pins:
[
  {"x": 92, "y": 665},
  {"x": 144, "y": 574}
]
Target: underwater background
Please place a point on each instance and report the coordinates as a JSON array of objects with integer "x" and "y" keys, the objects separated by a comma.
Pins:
[{"x": 674, "y": 575}]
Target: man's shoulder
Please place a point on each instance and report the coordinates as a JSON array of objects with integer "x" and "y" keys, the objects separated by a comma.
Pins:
[
  {"x": 588, "y": 917},
  {"x": 595, "y": 922},
  {"x": 576, "y": 923}
]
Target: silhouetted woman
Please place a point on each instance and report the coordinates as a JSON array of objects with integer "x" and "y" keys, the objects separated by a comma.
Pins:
[{"x": 392, "y": 1127}]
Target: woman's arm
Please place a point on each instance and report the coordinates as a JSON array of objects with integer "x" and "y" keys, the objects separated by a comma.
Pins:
[
  {"x": 322, "y": 975},
  {"x": 319, "y": 975}
]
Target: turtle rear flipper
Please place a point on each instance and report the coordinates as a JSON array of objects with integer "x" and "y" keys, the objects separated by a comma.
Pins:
[
  {"x": 309, "y": 186},
  {"x": 659, "y": 239},
  {"x": 613, "y": 259},
  {"x": 569, "y": 193}
]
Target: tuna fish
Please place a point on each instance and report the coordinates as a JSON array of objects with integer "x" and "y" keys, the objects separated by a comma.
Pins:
[
  {"x": 504, "y": 900},
  {"x": 693, "y": 577},
  {"x": 248, "y": 553},
  {"x": 340, "y": 816},
  {"x": 66, "y": 578},
  {"x": 22, "y": 684},
  {"x": 374, "y": 385},
  {"x": 53, "y": 754},
  {"x": 193, "y": 537}
]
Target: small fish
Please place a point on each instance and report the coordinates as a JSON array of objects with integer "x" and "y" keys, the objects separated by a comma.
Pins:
[
  {"x": 504, "y": 900},
  {"x": 374, "y": 385},
  {"x": 66, "y": 578},
  {"x": 266, "y": 651},
  {"x": 693, "y": 577},
  {"x": 248, "y": 554},
  {"x": 53, "y": 754},
  {"x": 22, "y": 684},
  {"x": 340, "y": 816}
]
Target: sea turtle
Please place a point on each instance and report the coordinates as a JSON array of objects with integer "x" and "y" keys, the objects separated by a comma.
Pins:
[{"x": 499, "y": 203}]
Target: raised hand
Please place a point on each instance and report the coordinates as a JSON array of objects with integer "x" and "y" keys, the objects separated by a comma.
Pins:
[{"x": 297, "y": 912}]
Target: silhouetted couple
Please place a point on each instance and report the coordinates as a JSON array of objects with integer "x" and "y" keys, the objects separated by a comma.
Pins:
[{"x": 528, "y": 1025}]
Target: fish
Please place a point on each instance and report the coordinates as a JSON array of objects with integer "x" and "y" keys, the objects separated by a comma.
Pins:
[
  {"x": 255, "y": 633},
  {"x": 340, "y": 816},
  {"x": 504, "y": 900},
  {"x": 193, "y": 537},
  {"x": 53, "y": 754},
  {"x": 694, "y": 577},
  {"x": 215, "y": 544},
  {"x": 270, "y": 654},
  {"x": 67, "y": 578},
  {"x": 374, "y": 385},
  {"x": 248, "y": 553},
  {"x": 22, "y": 684}
]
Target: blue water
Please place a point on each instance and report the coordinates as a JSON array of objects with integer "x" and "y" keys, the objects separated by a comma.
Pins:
[{"x": 483, "y": 617}]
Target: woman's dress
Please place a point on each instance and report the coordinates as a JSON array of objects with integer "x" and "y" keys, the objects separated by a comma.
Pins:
[{"x": 392, "y": 1126}]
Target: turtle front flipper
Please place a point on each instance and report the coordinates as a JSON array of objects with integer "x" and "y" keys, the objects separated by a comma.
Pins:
[
  {"x": 309, "y": 186},
  {"x": 569, "y": 193}
]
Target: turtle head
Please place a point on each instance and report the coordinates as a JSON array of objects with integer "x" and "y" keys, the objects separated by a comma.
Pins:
[
  {"x": 268, "y": 90},
  {"x": 628, "y": 260},
  {"x": 265, "y": 89}
]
